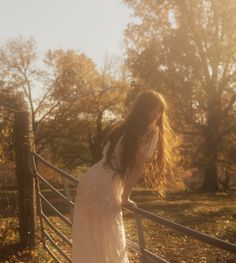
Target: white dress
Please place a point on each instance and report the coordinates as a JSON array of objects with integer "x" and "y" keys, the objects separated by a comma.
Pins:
[{"x": 98, "y": 233}]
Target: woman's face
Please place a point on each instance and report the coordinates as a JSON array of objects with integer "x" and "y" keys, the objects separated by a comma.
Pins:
[{"x": 154, "y": 114}]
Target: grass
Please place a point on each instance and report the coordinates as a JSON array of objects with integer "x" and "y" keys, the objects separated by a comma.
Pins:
[{"x": 213, "y": 214}]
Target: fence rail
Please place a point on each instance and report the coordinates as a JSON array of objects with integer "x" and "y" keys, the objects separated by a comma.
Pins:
[
  {"x": 55, "y": 168},
  {"x": 145, "y": 255}
]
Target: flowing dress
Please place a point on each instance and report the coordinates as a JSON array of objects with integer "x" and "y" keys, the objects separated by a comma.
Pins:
[{"x": 98, "y": 232}]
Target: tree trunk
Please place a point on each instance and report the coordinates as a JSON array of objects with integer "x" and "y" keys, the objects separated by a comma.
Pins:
[
  {"x": 210, "y": 182},
  {"x": 96, "y": 141}
]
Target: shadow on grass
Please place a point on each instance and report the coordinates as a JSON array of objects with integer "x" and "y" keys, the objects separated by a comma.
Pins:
[{"x": 15, "y": 252}]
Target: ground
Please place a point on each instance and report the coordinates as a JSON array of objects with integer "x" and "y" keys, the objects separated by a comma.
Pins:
[{"x": 213, "y": 214}]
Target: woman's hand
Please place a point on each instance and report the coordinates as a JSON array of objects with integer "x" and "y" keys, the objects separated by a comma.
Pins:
[{"x": 129, "y": 202}]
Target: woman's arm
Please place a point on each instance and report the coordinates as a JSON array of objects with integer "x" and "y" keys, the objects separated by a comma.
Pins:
[
  {"x": 132, "y": 179},
  {"x": 144, "y": 152}
]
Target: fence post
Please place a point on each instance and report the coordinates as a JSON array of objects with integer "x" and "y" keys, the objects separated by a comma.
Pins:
[
  {"x": 140, "y": 237},
  {"x": 25, "y": 179}
]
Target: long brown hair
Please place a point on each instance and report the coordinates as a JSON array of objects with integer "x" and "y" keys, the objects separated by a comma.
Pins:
[{"x": 133, "y": 127}]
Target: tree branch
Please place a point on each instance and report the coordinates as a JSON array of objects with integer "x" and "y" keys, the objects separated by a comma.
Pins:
[{"x": 231, "y": 102}]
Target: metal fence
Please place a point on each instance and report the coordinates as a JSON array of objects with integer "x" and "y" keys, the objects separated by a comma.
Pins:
[{"x": 146, "y": 256}]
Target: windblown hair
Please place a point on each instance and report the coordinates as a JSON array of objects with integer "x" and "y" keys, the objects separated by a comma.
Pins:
[{"x": 158, "y": 169}]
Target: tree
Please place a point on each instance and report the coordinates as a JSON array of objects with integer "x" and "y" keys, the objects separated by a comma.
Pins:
[
  {"x": 20, "y": 71},
  {"x": 10, "y": 103},
  {"x": 91, "y": 101},
  {"x": 187, "y": 51}
]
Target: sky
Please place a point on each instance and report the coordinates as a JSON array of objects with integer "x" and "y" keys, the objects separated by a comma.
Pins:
[{"x": 94, "y": 27}]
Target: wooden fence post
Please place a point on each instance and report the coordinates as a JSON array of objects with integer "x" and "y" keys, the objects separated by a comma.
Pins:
[{"x": 25, "y": 179}]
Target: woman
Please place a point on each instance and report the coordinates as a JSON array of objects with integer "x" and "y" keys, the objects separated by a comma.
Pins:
[{"x": 98, "y": 231}]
